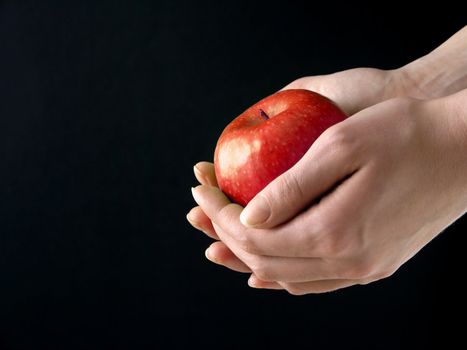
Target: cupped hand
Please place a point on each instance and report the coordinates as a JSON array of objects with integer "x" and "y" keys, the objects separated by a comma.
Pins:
[
  {"x": 366, "y": 197},
  {"x": 375, "y": 85},
  {"x": 333, "y": 227}
]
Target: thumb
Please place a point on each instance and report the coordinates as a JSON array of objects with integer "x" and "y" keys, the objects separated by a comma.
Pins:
[{"x": 320, "y": 169}]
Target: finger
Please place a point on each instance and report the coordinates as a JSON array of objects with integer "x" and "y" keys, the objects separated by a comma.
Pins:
[
  {"x": 205, "y": 174},
  {"x": 220, "y": 254},
  {"x": 296, "y": 239},
  {"x": 326, "y": 163},
  {"x": 302, "y": 288},
  {"x": 294, "y": 270},
  {"x": 340, "y": 87},
  {"x": 316, "y": 287},
  {"x": 216, "y": 205},
  {"x": 225, "y": 215},
  {"x": 255, "y": 282},
  {"x": 308, "y": 83},
  {"x": 201, "y": 221},
  {"x": 331, "y": 86}
]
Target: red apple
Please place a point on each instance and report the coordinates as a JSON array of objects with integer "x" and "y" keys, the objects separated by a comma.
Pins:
[{"x": 269, "y": 138}]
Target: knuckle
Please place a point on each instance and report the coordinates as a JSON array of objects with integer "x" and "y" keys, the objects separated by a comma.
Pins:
[
  {"x": 340, "y": 138},
  {"x": 289, "y": 188}
]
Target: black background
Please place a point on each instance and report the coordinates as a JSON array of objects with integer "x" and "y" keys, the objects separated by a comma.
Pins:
[{"x": 104, "y": 109}]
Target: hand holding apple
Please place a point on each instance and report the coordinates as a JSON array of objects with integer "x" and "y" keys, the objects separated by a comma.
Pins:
[
  {"x": 401, "y": 182},
  {"x": 402, "y": 166}
]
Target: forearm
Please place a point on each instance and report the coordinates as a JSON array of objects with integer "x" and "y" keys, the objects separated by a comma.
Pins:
[{"x": 440, "y": 73}]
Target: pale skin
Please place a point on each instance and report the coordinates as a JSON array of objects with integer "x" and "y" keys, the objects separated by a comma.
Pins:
[{"x": 370, "y": 192}]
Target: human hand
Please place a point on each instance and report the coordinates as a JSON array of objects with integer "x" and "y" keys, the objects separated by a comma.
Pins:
[
  {"x": 424, "y": 78},
  {"x": 399, "y": 171},
  {"x": 374, "y": 86}
]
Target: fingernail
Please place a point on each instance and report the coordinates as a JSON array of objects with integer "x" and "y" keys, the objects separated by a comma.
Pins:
[
  {"x": 207, "y": 253},
  {"x": 198, "y": 173},
  {"x": 256, "y": 212},
  {"x": 193, "y": 192},
  {"x": 190, "y": 220},
  {"x": 195, "y": 223}
]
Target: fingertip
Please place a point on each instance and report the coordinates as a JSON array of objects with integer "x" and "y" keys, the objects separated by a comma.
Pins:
[
  {"x": 193, "y": 219},
  {"x": 198, "y": 173},
  {"x": 208, "y": 254},
  {"x": 256, "y": 213},
  {"x": 212, "y": 253},
  {"x": 255, "y": 282},
  {"x": 219, "y": 253},
  {"x": 251, "y": 281},
  {"x": 243, "y": 218},
  {"x": 208, "y": 173},
  {"x": 195, "y": 191},
  {"x": 204, "y": 164},
  {"x": 190, "y": 217},
  {"x": 209, "y": 197}
]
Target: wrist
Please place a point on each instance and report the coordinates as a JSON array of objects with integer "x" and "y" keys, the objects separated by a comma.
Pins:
[
  {"x": 440, "y": 73},
  {"x": 446, "y": 120},
  {"x": 448, "y": 116},
  {"x": 455, "y": 107}
]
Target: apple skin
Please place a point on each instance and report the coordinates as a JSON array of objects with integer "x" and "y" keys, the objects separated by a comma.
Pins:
[{"x": 269, "y": 138}]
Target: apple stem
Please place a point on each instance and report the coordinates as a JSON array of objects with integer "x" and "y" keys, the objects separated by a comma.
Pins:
[{"x": 263, "y": 114}]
